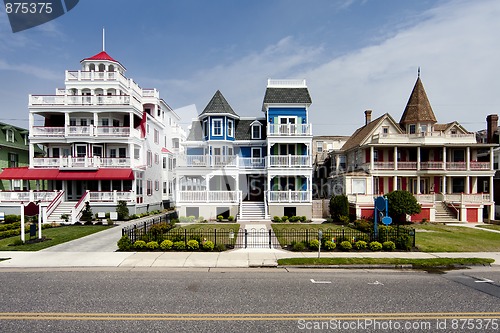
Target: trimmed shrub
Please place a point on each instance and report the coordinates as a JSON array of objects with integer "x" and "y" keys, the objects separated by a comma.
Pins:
[
  {"x": 375, "y": 246},
  {"x": 276, "y": 219},
  {"x": 11, "y": 218},
  {"x": 180, "y": 245},
  {"x": 284, "y": 218},
  {"x": 192, "y": 245},
  {"x": 314, "y": 244},
  {"x": 230, "y": 218},
  {"x": 389, "y": 246},
  {"x": 303, "y": 218},
  {"x": 339, "y": 206},
  {"x": 220, "y": 247},
  {"x": 330, "y": 246},
  {"x": 293, "y": 219},
  {"x": 220, "y": 217},
  {"x": 122, "y": 210},
  {"x": 124, "y": 243},
  {"x": 344, "y": 219},
  {"x": 360, "y": 245},
  {"x": 363, "y": 225},
  {"x": 298, "y": 247},
  {"x": 345, "y": 246},
  {"x": 139, "y": 245},
  {"x": 404, "y": 243},
  {"x": 166, "y": 245},
  {"x": 152, "y": 245},
  {"x": 208, "y": 246}
]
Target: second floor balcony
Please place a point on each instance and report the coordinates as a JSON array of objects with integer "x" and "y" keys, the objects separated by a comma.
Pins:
[
  {"x": 236, "y": 161},
  {"x": 83, "y": 131},
  {"x": 430, "y": 165},
  {"x": 289, "y": 130},
  {"x": 81, "y": 162}
]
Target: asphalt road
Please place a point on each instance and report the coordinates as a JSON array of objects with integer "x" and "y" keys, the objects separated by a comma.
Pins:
[{"x": 248, "y": 300}]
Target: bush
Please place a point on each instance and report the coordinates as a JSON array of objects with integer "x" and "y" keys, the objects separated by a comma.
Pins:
[
  {"x": 11, "y": 218},
  {"x": 330, "y": 246},
  {"x": 303, "y": 219},
  {"x": 375, "y": 246},
  {"x": 360, "y": 245},
  {"x": 284, "y": 218},
  {"x": 220, "y": 217},
  {"x": 230, "y": 218},
  {"x": 404, "y": 243},
  {"x": 158, "y": 230},
  {"x": 166, "y": 245},
  {"x": 363, "y": 225},
  {"x": 344, "y": 219},
  {"x": 193, "y": 244},
  {"x": 87, "y": 214},
  {"x": 152, "y": 245},
  {"x": 139, "y": 245},
  {"x": 180, "y": 245},
  {"x": 208, "y": 246},
  {"x": 339, "y": 206},
  {"x": 122, "y": 210},
  {"x": 298, "y": 247},
  {"x": 314, "y": 244},
  {"x": 220, "y": 247},
  {"x": 389, "y": 246},
  {"x": 276, "y": 219},
  {"x": 345, "y": 246},
  {"x": 124, "y": 243}
]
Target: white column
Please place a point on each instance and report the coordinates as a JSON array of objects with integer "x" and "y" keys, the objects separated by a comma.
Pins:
[
  {"x": 467, "y": 158},
  {"x": 395, "y": 160},
  {"x": 22, "y": 224},
  {"x": 467, "y": 184},
  {"x": 418, "y": 161},
  {"x": 444, "y": 158},
  {"x": 492, "y": 159},
  {"x": 372, "y": 164},
  {"x": 418, "y": 185}
]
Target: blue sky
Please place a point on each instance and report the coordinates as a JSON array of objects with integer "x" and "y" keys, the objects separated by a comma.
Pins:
[{"x": 355, "y": 55}]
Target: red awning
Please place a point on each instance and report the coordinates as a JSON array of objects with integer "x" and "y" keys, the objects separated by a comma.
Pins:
[{"x": 56, "y": 174}]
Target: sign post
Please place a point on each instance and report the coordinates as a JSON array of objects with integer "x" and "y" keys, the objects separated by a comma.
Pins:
[{"x": 320, "y": 236}]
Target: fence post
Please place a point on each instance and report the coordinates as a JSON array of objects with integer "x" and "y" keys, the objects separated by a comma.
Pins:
[
  {"x": 185, "y": 236},
  {"x": 307, "y": 236},
  {"x": 215, "y": 236},
  {"x": 270, "y": 246},
  {"x": 246, "y": 235}
]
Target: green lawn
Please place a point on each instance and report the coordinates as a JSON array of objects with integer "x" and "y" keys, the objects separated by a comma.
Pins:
[
  {"x": 490, "y": 226},
  {"x": 442, "y": 238},
  {"x": 209, "y": 226},
  {"x": 417, "y": 263},
  {"x": 55, "y": 236}
]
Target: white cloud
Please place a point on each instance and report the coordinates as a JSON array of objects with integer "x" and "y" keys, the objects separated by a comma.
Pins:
[
  {"x": 39, "y": 72},
  {"x": 457, "y": 48}
]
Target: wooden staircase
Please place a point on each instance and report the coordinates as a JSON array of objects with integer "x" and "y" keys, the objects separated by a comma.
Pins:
[
  {"x": 65, "y": 207},
  {"x": 445, "y": 214},
  {"x": 252, "y": 211}
]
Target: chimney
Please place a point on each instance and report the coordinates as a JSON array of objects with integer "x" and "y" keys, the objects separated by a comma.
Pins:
[
  {"x": 491, "y": 127},
  {"x": 368, "y": 116}
]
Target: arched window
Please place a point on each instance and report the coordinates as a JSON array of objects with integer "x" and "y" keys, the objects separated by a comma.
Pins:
[
  {"x": 111, "y": 68},
  {"x": 102, "y": 67},
  {"x": 91, "y": 67}
]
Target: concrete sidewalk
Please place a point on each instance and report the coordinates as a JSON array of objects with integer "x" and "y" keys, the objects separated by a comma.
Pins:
[{"x": 229, "y": 259}]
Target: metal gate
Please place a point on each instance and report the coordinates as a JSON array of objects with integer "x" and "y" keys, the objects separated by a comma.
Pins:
[{"x": 256, "y": 239}]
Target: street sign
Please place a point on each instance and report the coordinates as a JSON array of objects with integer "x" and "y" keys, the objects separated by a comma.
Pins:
[{"x": 386, "y": 220}]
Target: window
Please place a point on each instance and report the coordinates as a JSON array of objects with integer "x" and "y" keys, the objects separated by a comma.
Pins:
[
  {"x": 13, "y": 160},
  {"x": 122, "y": 152},
  {"x": 9, "y": 135},
  {"x": 205, "y": 128},
  {"x": 81, "y": 151},
  {"x": 55, "y": 152},
  {"x": 116, "y": 123},
  {"x": 230, "y": 131},
  {"x": 156, "y": 136},
  {"x": 385, "y": 131},
  {"x": 150, "y": 158},
  {"x": 217, "y": 127},
  {"x": 157, "y": 158},
  {"x": 164, "y": 164},
  {"x": 412, "y": 129},
  {"x": 157, "y": 185},
  {"x": 375, "y": 156},
  {"x": 149, "y": 187},
  {"x": 97, "y": 151},
  {"x": 319, "y": 146},
  {"x": 137, "y": 153},
  {"x": 359, "y": 186},
  {"x": 112, "y": 153},
  {"x": 164, "y": 187},
  {"x": 256, "y": 132},
  {"x": 72, "y": 122},
  {"x": 83, "y": 122}
]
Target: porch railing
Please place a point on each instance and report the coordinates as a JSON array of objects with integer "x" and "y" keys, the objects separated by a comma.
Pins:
[
  {"x": 289, "y": 196},
  {"x": 27, "y": 196},
  {"x": 81, "y": 162},
  {"x": 208, "y": 196},
  {"x": 289, "y": 129},
  {"x": 290, "y": 161},
  {"x": 111, "y": 196}
]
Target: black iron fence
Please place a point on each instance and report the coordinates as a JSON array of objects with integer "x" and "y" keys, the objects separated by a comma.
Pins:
[{"x": 140, "y": 229}]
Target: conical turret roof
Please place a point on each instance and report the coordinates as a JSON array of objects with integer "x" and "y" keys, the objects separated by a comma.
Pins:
[
  {"x": 418, "y": 109},
  {"x": 218, "y": 105}
]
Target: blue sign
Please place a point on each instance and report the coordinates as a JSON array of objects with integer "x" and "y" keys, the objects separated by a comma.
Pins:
[{"x": 386, "y": 220}]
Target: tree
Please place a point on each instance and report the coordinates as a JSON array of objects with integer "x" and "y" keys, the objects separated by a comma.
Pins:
[
  {"x": 122, "y": 210},
  {"x": 402, "y": 203},
  {"x": 339, "y": 206}
]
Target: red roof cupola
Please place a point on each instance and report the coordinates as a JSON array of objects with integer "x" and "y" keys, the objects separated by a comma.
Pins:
[{"x": 101, "y": 56}]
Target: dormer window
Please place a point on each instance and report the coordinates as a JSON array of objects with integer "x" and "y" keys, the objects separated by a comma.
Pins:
[
  {"x": 9, "y": 135},
  {"x": 256, "y": 131},
  {"x": 412, "y": 129},
  {"x": 385, "y": 131},
  {"x": 230, "y": 128},
  {"x": 216, "y": 127}
]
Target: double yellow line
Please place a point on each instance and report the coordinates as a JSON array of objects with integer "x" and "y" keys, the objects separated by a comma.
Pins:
[{"x": 243, "y": 316}]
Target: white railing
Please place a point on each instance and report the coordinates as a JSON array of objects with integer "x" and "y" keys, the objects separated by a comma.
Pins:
[
  {"x": 208, "y": 196},
  {"x": 289, "y": 129},
  {"x": 252, "y": 162},
  {"x": 111, "y": 196},
  {"x": 76, "y": 212},
  {"x": 48, "y": 131},
  {"x": 383, "y": 165},
  {"x": 95, "y": 76},
  {"x": 289, "y": 196},
  {"x": 79, "y": 131},
  {"x": 360, "y": 198},
  {"x": 150, "y": 93},
  {"x": 407, "y": 165},
  {"x": 55, "y": 202},
  {"x": 432, "y": 165},
  {"x": 467, "y": 198},
  {"x": 112, "y": 131},
  {"x": 79, "y": 100},
  {"x": 27, "y": 196},
  {"x": 456, "y": 166},
  {"x": 290, "y": 161},
  {"x": 474, "y": 165},
  {"x": 286, "y": 83},
  {"x": 40, "y": 131},
  {"x": 208, "y": 161},
  {"x": 427, "y": 198},
  {"x": 81, "y": 162}
]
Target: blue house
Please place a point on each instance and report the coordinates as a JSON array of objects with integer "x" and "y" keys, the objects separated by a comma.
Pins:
[{"x": 249, "y": 167}]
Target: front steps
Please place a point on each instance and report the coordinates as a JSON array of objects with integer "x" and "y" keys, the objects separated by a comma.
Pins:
[
  {"x": 65, "y": 207},
  {"x": 252, "y": 211},
  {"x": 444, "y": 214}
]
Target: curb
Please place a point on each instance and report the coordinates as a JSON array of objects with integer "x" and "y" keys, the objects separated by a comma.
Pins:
[{"x": 381, "y": 266}]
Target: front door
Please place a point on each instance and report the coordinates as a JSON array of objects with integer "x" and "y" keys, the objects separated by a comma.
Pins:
[
  {"x": 256, "y": 184},
  {"x": 75, "y": 189}
]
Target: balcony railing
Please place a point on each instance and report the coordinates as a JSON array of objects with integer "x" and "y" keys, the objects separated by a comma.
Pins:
[
  {"x": 27, "y": 196},
  {"x": 289, "y": 196},
  {"x": 208, "y": 196},
  {"x": 431, "y": 165},
  {"x": 81, "y": 162},
  {"x": 51, "y": 100},
  {"x": 112, "y": 196},
  {"x": 290, "y": 161},
  {"x": 289, "y": 130},
  {"x": 252, "y": 162},
  {"x": 83, "y": 131}
]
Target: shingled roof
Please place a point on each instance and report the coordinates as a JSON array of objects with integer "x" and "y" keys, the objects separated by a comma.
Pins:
[
  {"x": 362, "y": 133},
  {"x": 418, "y": 109},
  {"x": 287, "y": 96},
  {"x": 218, "y": 105}
]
